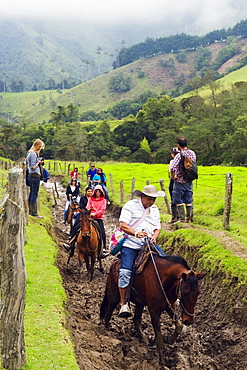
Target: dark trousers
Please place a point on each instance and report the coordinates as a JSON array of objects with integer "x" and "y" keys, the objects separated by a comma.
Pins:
[
  {"x": 34, "y": 183},
  {"x": 102, "y": 230}
]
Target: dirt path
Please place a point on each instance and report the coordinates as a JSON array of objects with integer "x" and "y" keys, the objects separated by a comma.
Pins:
[{"x": 213, "y": 342}]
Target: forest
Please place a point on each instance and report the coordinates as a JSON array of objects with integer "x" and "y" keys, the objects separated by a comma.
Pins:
[
  {"x": 176, "y": 43},
  {"x": 214, "y": 127}
]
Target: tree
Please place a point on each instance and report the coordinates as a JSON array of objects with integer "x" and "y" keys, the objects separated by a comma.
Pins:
[
  {"x": 145, "y": 146},
  {"x": 120, "y": 83}
]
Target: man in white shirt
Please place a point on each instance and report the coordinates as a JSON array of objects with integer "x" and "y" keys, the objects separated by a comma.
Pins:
[{"x": 138, "y": 218}]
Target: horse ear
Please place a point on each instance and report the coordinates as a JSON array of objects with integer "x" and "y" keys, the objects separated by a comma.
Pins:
[
  {"x": 185, "y": 276},
  {"x": 200, "y": 276}
]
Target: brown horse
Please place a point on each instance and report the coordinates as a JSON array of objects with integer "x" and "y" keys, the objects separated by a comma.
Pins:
[
  {"x": 88, "y": 242},
  {"x": 165, "y": 284},
  {"x": 73, "y": 208}
]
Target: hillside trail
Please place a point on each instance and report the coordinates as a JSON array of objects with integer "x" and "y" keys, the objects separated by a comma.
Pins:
[{"x": 210, "y": 344}]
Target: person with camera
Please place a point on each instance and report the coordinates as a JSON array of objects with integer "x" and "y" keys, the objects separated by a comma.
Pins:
[{"x": 34, "y": 164}]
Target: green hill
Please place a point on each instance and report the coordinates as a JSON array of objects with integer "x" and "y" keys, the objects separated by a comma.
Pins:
[{"x": 160, "y": 74}]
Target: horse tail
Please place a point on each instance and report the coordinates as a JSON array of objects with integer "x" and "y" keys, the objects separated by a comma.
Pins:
[{"x": 103, "y": 306}]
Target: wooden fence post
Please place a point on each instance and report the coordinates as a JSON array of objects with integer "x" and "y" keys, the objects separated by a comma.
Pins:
[
  {"x": 12, "y": 273},
  {"x": 111, "y": 181},
  {"x": 121, "y": 191},
  {"x": 228, "y": 201},
  {"x": 69, "y": 169},
  {"x": 147, "y": 182},
  {"x": 55, "y": 186},
  {"x": 168, "y": 206},
  {"x": 133, "y": 180},
  {"x": 82, "y": 173},
  {"x": 60, "y": 166}
]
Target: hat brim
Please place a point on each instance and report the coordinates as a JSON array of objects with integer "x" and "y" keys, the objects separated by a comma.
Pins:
[{"x": 138, "y": 193}]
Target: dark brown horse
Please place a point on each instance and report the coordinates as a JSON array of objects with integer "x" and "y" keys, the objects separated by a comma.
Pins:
[
  {"x": 88, "y": 242},
  {"x": 73, "y": 208},
  {"x": 165, "y": 284}
]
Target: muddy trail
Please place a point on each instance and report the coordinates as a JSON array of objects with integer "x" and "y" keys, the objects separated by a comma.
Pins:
[{"x": 214, "y": 342}]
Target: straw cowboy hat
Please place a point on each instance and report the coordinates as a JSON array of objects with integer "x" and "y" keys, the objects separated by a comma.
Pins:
[{"x": 149, "y": 190}]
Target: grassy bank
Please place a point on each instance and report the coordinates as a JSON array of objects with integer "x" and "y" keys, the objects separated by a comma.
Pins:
[
  {"x": 48, "y": 344},
  {"x": 226, "y": 273}
]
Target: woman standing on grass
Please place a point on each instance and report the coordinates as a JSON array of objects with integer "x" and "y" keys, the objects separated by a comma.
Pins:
[{"x": 34, "y": 175}]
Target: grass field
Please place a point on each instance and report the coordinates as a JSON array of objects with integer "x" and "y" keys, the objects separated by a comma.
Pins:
[{"x": 209, "y": 191}]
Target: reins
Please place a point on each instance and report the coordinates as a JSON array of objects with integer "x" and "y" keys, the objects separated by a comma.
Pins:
[{"x": 177, "y": 312}]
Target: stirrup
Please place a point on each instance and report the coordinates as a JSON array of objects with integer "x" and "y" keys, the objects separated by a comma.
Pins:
[
  {"x": 125, "y": 311},
  {"x": 67, "y": 247}
]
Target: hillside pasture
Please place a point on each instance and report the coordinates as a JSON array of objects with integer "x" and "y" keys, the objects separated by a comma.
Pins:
[{"x": 209, "y": 192}]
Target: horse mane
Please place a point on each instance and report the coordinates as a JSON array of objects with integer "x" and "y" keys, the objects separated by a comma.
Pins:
[
  {"x": 84, "y": 211},
  {"x": 177, "y": 259}
]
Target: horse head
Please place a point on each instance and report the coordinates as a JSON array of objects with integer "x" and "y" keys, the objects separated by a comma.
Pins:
[
  {"x": 85, "y": 223},
  {"x": 188, "y": 291}
]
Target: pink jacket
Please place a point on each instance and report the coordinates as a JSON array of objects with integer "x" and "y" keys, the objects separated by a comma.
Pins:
[{"x": 99, "y": 205}]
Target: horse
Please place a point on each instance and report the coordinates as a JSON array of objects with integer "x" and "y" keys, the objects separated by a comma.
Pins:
[
  {"x": 88, "y": 242},
  {"x": 73, "y": 208},
  {"x": 165, "y": 284}
]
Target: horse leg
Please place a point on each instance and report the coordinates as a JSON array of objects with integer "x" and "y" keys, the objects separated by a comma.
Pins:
[
  {"x": 81, "y": 258},
  {"x": 92, "y": 267},
  {"x": 178, "y": 330},
  {"x": 87, "y": 263},
  {"x": 155, "y": 319},
  {"x": 137, "y": 321},
  {"x": 112, "y": 302}
]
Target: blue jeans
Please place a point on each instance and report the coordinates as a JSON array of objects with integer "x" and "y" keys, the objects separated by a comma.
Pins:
[
  {"x": 127, "y": 259},
  {"x": 182, "y": 193},
  {"x": 34, "y": 188}
]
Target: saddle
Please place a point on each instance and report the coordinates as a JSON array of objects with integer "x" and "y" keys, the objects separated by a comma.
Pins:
[{"x": 141, "y": 258}]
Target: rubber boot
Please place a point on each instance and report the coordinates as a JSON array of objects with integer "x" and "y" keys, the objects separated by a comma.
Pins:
[
  {"x": 35, "y": 211},
  {"x": 32, "y": 209},
  {"x": 188, "y": 213},
  {"x": 181, "y": 214},
  {"x": 174, "y": 213}
]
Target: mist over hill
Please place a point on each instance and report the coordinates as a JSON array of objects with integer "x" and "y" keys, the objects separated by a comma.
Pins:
[{"x": 64, "y": 52}]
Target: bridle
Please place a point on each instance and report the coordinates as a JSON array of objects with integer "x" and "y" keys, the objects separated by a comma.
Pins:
[
  {"x": 87, "y": 233},
  {"x": 178, "y": 305}
]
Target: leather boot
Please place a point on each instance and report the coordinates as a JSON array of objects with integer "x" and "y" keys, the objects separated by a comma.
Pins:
[
  {"x": 188, "y": 213},
  {"x": 174, "y": 214},
  {"x": 181, "y": 214},
  {"x": 35, "y": 214}
]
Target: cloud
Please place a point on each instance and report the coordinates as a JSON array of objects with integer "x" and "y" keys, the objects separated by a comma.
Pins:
[{"x": 190, "y": 15}]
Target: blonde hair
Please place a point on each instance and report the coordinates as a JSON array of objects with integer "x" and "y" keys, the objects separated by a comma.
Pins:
[{"x": 37, "y": 146}]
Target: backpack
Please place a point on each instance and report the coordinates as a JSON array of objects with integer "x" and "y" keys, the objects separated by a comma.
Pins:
[{"x": 188, "y": 169}]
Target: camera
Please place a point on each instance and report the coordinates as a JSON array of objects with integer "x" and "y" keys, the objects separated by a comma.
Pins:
[{"x": 42, "y": 159}]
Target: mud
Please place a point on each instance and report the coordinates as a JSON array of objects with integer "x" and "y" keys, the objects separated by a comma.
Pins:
[{"x": 214, "y": 342}]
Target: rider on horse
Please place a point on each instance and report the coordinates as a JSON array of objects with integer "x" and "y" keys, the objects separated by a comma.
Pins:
[{"x": 138, "y": 218}]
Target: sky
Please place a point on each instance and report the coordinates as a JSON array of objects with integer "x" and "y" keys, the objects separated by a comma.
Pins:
[{"x": 190, "y": 15}]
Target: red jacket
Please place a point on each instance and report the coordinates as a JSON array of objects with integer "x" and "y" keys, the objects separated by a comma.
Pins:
[{"x": 99, "y": 205}]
